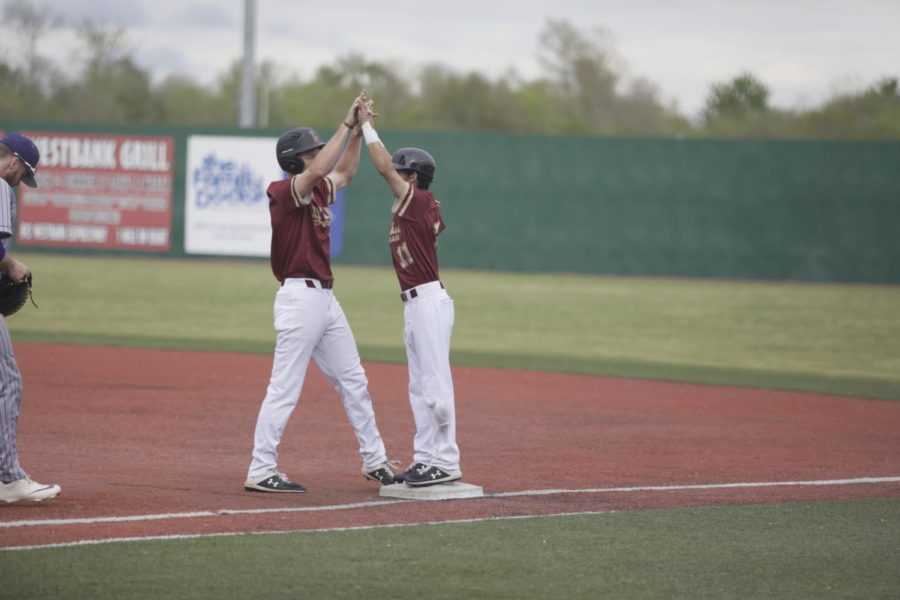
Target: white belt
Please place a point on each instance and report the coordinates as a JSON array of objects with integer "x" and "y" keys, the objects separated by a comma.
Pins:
[{"x": 426, "y": 289}]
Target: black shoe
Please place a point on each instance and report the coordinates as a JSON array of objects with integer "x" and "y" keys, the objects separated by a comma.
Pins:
[
  {"x": 401, "y": 477},
  {"x": 425, "y": 475},
  {"x": 273, "y": 481},
  {"x": 381, "y": 473}
]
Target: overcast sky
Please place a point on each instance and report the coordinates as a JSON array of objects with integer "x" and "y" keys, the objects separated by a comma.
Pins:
[{"x": 803, "y": 50}]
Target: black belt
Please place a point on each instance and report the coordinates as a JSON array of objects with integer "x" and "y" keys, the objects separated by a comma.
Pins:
[
  {"x": 325, "y": 284},
  {"x": 412, "y": 293}
]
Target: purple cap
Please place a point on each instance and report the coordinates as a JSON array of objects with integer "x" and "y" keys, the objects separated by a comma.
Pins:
[{"x": 25, "y": 149}]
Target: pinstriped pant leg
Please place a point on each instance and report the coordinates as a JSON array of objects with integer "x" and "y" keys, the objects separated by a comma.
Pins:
[{"x": 10, "y": 403}]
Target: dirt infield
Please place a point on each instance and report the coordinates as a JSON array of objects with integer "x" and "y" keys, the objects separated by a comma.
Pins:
[{"x": 157, "y": 443}]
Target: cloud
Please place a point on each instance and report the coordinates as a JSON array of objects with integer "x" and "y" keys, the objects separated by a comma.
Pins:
[
  {"x": 163, "y": 60},
  {"x": 801, "y": 49},
  {"x": 209, "y": 16},
  {"x": 122, "y": 13}
]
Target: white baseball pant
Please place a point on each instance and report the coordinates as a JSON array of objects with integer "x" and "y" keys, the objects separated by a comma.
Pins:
[
  {"x": 427, "y": 329},
  {"x": 310, "y": 323}
]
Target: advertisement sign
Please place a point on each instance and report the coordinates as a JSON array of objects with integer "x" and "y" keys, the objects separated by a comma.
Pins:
[
  {"x": 226, "y": 207},
  {"x": 99, "y": 191}
]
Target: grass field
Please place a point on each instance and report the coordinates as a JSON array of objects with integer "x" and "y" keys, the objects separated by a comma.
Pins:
[
  {"x": 821, "y": 338},
  {"x": 796, "y": 551},
  {"x": 810, "y": 337}
]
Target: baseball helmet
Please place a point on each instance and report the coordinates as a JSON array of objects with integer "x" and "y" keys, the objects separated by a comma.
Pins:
[
  {"x": 414, "y": 159},
  {"x": 294, "y": 142}
]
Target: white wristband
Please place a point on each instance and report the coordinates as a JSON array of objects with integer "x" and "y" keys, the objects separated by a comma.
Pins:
[{"x": 369, "y": 133}]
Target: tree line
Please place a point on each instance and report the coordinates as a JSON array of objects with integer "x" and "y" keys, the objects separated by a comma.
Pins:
[{"x": 580, "y": 91}]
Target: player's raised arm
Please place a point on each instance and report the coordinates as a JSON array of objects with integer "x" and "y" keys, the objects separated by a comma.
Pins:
[
  {"x": 380, "y": 156},
  {"x": 346, "y": 167},
  {"x": 323, "y": 161}
]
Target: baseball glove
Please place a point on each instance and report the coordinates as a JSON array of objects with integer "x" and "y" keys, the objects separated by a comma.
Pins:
[{"x": 14, "y": 294}]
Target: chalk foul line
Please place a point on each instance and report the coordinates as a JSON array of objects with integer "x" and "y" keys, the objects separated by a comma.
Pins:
[
  {"x": 283, "y": 532},
  {"x": 707, "y": 486},
  {"x": 335, "y": 507}
]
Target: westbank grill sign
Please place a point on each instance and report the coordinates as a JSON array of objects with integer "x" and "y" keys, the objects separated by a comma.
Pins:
[
  {"x": 226, "y": 206},
  {"x": 99, "y": 191}
]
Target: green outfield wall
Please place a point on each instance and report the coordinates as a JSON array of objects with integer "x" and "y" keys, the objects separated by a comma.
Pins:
[{"x": 784, "y": 210}]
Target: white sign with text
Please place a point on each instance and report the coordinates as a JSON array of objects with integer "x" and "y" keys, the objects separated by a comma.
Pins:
[{"x": 226, "y": 207}]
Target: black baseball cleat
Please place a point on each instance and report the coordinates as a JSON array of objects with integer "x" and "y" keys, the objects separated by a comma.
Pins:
[
  {"x": 382, "y": 473},
  {"x": 273, "y": 481},
  {"x": 424, "y": 475},
  {"x": 401, "y": 477}
]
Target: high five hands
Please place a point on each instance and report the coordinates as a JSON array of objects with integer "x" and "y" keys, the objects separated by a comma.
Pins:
[{"x": 361, "y": 110}]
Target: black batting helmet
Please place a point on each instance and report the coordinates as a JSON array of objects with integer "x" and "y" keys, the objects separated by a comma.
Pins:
[
  {"x": 414, "y": 159},
  {"x": 294, "y": 142}
]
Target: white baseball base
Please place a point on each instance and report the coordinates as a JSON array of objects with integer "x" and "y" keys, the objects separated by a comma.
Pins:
[{"x": 440, "y": 491}]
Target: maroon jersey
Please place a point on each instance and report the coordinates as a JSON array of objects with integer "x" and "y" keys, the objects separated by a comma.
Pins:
[
  {"x": 415, "y": 227},
  {"x": 301, "y": 230}
]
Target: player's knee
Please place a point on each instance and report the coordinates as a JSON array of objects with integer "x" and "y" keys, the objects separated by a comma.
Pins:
[{"x": 440, "y": 408}]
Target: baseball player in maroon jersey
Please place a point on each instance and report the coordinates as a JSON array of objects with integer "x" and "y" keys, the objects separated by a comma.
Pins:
[
  {"x": 309, "y": 321},
  {"x": 428, "y": 312},
  {"x": 18, "y": 162}
]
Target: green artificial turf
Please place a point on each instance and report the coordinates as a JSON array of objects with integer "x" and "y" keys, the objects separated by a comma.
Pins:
[{"x": 800, "y": 551}]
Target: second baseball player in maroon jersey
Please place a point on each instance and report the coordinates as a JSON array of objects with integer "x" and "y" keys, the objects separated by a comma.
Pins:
[{"x": 428, "y": 312}]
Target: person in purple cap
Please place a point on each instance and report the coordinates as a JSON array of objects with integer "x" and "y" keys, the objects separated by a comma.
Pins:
[{"x": 18, "y": 163}]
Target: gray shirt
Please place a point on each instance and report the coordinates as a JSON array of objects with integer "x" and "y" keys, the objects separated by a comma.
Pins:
[{"x": 8, "y": 209}]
